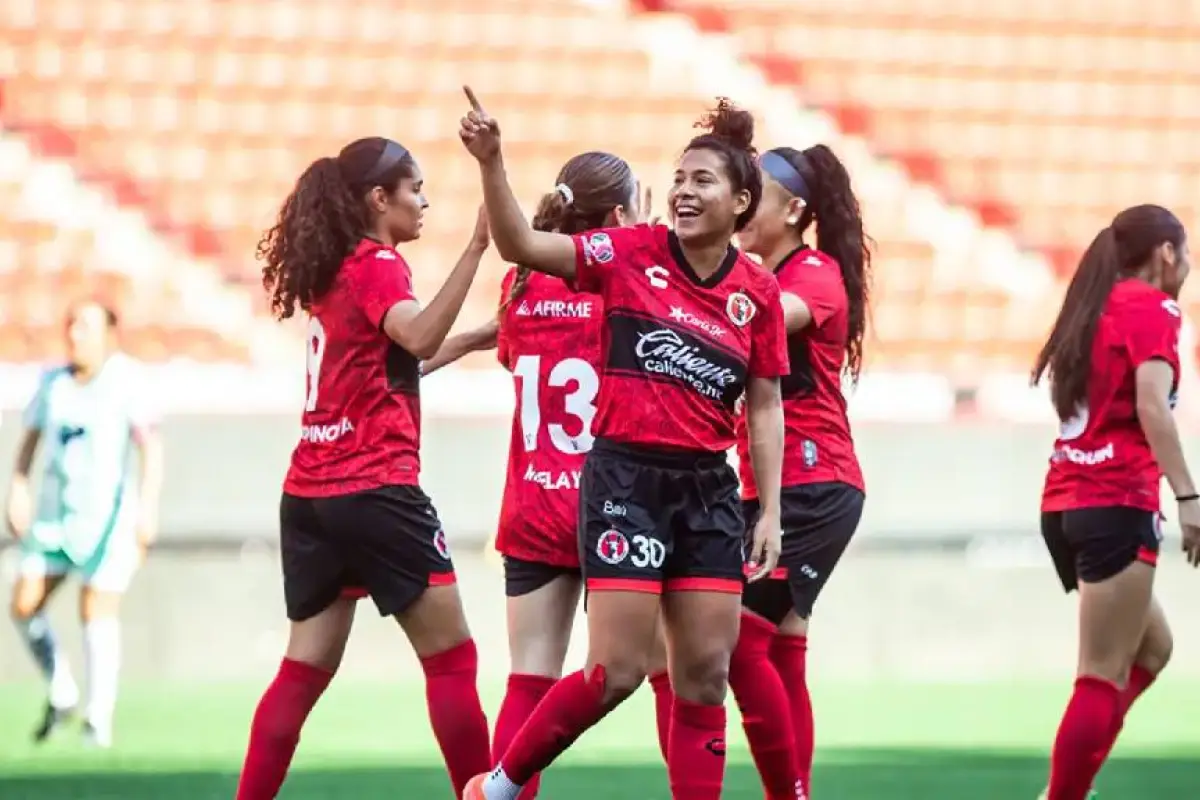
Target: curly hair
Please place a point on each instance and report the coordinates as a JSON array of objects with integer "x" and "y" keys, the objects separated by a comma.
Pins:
[
  {"x": 1119, "y": 251},
  {"x": 323, "y": 219},
  {"x": 731, "y": 133},
  {"x": 831, "y": 203},
  {"x": 596, "y": 183}
]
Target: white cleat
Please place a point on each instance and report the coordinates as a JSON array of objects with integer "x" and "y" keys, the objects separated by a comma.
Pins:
[{"x": 93, "y": 737}]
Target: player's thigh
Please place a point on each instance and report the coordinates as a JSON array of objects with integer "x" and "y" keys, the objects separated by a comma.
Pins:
[
  {"x": 1115, "y": 552},
  {"x": 701, "y": 630},
  {"x": 41, "y": 570},
  {"x": 622, "y": 632},
  {"x": 1157, "y": 642},
  {"x": 541, "y": 604},
  {"x": 818, "y": 523},
  {"x": 107, "y": 575},
  {"x": 315, "y": 567},
  {"x": 320, "y": 640}
]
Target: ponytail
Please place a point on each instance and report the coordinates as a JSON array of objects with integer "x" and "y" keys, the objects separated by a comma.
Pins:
[
  {"x": 318, "y": 226},
  {"x": 832, "y": 204},
  {"x": 1066, "y": 357},
  {"x": 552, "y": 214}
]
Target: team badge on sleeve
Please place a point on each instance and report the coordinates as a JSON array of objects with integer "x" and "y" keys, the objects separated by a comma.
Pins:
[
  {"x": 599, "y": 248},
  {"x": 740, "y": 309},
  {"x": 612, "y": 547}
]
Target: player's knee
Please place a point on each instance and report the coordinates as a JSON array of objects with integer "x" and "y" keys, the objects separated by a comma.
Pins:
[
  {"x": 1155, "y": 653},
  {"x": 617, "y": 678},
  {"x": 702, "y": 678}
]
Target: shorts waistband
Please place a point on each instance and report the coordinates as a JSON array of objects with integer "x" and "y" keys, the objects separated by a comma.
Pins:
[{"x": 664, "y": 457}]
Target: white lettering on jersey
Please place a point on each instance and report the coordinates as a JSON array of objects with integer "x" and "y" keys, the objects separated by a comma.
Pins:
[
  {"x": 658, "y": 276},
  {"x": 688, "y": 318},
  {"x": 554, "y": 480},
  {"x": 1085, "y": 458},
  {"x": 556, "y": 309},
  {"x": 663, "y": 352},
  {"x": 323, "y": 434}
]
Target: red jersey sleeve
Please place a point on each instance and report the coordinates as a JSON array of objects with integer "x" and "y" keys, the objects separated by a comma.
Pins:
[
  {"x": 378, "y": 280},
  {"x": 599, "y": 253},
  {"x": 768, "y": 336},
  {"x": 817, "y": 281},
  {"x": 1154, "y": 334},
  {"x": 502, "y": 348}
]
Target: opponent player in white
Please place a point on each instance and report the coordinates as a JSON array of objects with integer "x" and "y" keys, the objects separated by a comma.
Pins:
[{"x": 92, "y": 516}]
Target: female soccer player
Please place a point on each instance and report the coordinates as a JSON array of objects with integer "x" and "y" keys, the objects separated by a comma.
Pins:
[
  {"x": 91, "y": 515},
  {"x": 353, "y": 516},
  {"x": 1113, "y": 363},
  {"x": 690, "y": 325},
  {"x": 549, "y": 337},
  {"x": 824, "y": 303}
]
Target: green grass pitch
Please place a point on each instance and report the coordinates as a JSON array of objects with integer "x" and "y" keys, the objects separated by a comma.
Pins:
[{"x": 366, "y": 741}]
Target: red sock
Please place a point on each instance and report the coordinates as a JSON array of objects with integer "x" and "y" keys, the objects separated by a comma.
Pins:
[
  {"x": 696, "y": 752},
  {"x": 1084, "y": 737},
  {"x": 523, "y": 695},
  {"x": 761, "y": 696},
  {"x": 455, "y": 713},
  {"x": 275, "y": 731},
  {"x": 1140, "y": 679},
  {"x": 789, "y": 654},
  {"x": 664, "y": 700},
  {"x": 572, "y": 705}
]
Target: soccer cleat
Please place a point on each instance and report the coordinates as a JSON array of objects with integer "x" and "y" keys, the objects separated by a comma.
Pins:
[
  {"x": 474, "y": 788},
  {"x": 96, "y": 738},
  {"x": 52, "y": 720}
]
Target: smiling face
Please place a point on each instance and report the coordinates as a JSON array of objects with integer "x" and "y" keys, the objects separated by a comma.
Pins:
[{"x": 703, "y": 202}]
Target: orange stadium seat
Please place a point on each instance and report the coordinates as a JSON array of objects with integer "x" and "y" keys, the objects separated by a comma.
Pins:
[
  {"x": 1042, "y": 119},
  {"x": 1047, "y": 118}
]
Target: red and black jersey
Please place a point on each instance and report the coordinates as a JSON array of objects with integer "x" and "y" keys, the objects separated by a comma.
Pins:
[
  {"x": 819, "y": 447},
  {"x": 549, "y": 339},
  {"x": 1101, "y": 457},
  {"x": 361, "y": 427},
  {"x": 678, "y": 349}
]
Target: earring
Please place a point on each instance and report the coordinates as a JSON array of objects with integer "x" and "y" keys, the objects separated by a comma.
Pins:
[{"x": 793, "y": 220}]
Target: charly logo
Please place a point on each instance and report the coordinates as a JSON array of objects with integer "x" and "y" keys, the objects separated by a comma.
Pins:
[
  {"x": 740, "y": 309},
  {"x": 663, "y": 352}
]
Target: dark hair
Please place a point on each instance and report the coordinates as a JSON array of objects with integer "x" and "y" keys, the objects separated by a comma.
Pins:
[
  {"x": 830, "y": 201},
  {"x": 731, "y": 133},
  {"x": 1118, "y": 251},
  {"x": 596, "y": 183},
  {"x": 323, "y": 220}
]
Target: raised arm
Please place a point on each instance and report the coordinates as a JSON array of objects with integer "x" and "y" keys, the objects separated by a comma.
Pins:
[
  {"x": 422, "y": 331},
  {"x": 516, "y": 241},
  {"x": 482, "y": 338}
]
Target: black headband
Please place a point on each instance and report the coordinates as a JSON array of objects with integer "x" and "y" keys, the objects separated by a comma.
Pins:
[
  {"x": 784, "y": 173},
  {"x": 393, "y": 153}
]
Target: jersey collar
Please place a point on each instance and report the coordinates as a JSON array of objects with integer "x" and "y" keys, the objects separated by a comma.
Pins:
[{"x": 731, "y": 257}]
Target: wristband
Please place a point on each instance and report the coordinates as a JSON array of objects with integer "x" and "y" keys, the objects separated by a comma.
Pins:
[{"x": 1185, "y": 498}]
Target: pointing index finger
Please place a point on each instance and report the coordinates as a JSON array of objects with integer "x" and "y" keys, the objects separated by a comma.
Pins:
[{"x": 472, "y": 99}]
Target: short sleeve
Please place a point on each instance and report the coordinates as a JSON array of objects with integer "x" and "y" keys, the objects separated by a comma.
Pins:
[
  {"x": 1155, "y": 335},
  {"x": 35, "y": 414},
  {"x": 598, "y": 254},
  {"x": 502, "y": 348},
  {"x": 377, "y": 281},
  {"x": 768, "y": 336},
  {"x": 143, "y": 410},
  {"x": 817, "y": 282}
]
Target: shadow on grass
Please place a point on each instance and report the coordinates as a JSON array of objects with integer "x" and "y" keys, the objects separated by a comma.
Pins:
[{"x": 849, "y": 774}]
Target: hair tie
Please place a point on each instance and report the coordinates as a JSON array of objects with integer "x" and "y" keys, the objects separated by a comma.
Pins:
[{"x": 567, "y": 195}]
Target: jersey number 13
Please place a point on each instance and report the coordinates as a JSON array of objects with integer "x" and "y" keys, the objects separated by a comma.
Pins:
[{"x": 580, "y": 402}]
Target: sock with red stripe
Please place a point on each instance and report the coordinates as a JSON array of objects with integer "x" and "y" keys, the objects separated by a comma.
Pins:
[
  {"x": 1140, "y": 680},
  {"x": 696, "y": 751},
  {"x": 523, "y": 695},
  {"x": 275, "y": 731},
  {"x": 789, "y": 654},
  {"x": 1084, "y": 738},
  {"x": 761, "y": 696},
  {"x": 455, "y": 713},
  {"x": 572, "y": 706},
  {"x": 664, "y": 701}
]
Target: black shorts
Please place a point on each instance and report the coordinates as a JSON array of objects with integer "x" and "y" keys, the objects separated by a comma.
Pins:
[
  {"x": 1094, "y": 544},
  {"x": 386, "y": 543},
  {"x": 818, "y": 521},
  {"x": 522, "y": 577},
  {"x": 653, "y": 520}
]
